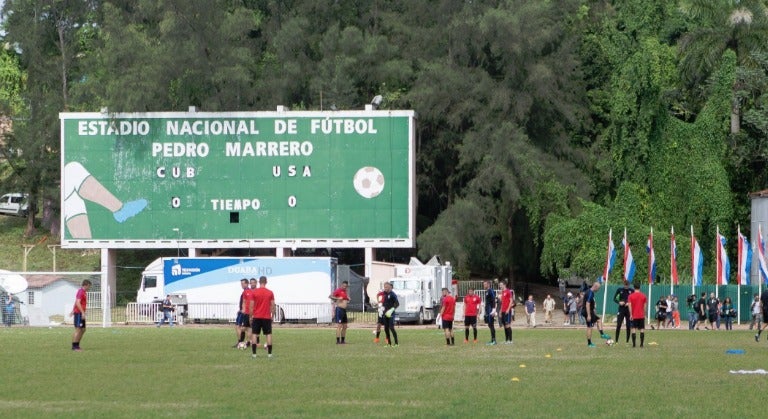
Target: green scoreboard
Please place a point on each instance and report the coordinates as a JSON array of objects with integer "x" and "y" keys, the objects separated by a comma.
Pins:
[{"x": 241, "y": 179}]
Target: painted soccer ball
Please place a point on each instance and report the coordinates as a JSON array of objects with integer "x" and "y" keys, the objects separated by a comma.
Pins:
[
  {"x": 368, "y": 182},
  {"x": 241, "y": 345},
  {"x": 609, "y": 342}
]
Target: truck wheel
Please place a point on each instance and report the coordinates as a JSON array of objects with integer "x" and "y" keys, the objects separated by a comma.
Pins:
[{"x": 420, "y": 320}]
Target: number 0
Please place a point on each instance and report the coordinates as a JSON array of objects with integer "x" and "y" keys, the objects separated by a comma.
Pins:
[{"x": 291, "y": 201}]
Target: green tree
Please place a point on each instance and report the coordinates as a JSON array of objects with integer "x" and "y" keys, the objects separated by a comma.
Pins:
[
  {"x": 740, "y": 26},
  {"x": 47, "y": 36}
]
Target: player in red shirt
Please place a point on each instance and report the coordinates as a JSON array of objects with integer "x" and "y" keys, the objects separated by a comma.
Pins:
[
  {"x": 638, "y": 303},
  {"x": 507, "y": 299},
  {"x": 78, "y": 312},
  {"x": 447, "y": 311},
  {"x": 261, "y": 318},
  {"x": 471, "y": 307},
  {"x": 341, "y": 299}
]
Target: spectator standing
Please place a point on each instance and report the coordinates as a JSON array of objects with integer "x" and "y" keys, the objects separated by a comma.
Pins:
[
  {"x": 580, "y": 307},
  {"x": 713, "y": 311},
  {"x": 530, "y": 311},
  {"x": 573, "y": 307},
  {"x": 167, "y": 309},
  {"x": 9, "y": 309},
  {"x": 701, "y": 308},
  {"x": 692, "y": 311},
  {"x": 728, "y": 313},
  {"x": 764, "y": 305},
  {"x": 757, "y": 313},
  {"x": 676, "y": 311},
  {"x": 549, "y": 307},
  {"x": 661, "y": 311},
  {"x": 561, "y": 287}
]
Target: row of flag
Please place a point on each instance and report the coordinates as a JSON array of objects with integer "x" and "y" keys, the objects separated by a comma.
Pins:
[{"x": 722, "y": 264}]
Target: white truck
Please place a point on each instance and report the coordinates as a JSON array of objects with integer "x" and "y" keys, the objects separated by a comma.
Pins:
[
  {"x": 419, "y": 287},
  {"x": 208, "y": 288}
]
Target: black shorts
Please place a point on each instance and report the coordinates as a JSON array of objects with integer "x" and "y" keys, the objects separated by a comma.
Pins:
[
  {"x": 79, "y": 321},
  {"x": 506, "y": 318},
  {"x": 243, "y": 319},
  {"x": 594, "y": 320},
  {"x": 340, "y": 316},
  {"x": 712, "y": 317},
  {"x": 661, "y": 316},
  {"x": 447, "y": 324},
  {"x": 381, "y": 320},
  {"x": 638, "y": 324},
  {"x": 765, "y": 316},
  {"x": 261, "y": 325},
  {"x": 472, "y": 321},
  {"x": 702, "y": 317}
]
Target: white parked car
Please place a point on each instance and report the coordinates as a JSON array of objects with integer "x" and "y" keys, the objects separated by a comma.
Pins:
[{"x": 14, "y": 204}]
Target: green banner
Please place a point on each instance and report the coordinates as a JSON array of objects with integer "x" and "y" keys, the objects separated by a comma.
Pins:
[{"x": 263, "y": 179}]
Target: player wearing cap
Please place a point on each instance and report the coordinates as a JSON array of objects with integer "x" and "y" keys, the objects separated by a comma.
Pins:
[
  {"x": 261, "y": 319},
  {"x": 447, "y": 311},
  {"x": 471, "y": 307}
]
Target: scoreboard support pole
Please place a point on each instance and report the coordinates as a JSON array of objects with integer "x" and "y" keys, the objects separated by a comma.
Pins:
[{"x": 370, "y": 255}]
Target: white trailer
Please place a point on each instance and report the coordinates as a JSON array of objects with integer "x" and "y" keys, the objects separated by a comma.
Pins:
[{"x": 210, "y": 286}]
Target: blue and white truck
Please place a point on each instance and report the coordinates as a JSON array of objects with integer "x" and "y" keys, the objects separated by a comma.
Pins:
[{"x": 208, "y": 288}]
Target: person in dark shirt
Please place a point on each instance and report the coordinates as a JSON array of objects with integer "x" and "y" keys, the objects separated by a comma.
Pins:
[
  {"x": 591, "y": 315},
  {"x": 490, "y": 310},
  {"x": 621, "y": 297},
  {"x": 390, "y": 304},
  {"x": 701, "y": 308}
]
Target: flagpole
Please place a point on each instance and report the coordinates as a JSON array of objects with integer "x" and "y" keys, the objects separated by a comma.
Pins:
[
  {"x": 718, "y": 263},
  {"x": 739, "y": 274},
  {"x": 607, "y": 271},
  {"x": 650, "y": 273},
  {"x": 693, "y": 273}
]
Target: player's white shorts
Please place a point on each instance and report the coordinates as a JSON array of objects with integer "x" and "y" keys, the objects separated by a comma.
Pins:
[{"x": 74, "y": 176}]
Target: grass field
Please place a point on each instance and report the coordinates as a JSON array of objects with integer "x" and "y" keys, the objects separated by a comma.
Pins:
[{"x": 192, "y": 371}]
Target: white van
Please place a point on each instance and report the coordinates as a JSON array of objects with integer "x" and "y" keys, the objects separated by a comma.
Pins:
[{"x": 14, "y": 204}]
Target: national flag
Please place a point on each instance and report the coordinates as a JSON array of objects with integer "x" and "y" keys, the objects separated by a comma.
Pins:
[
  {"x": 697, "y": 260},
  {"x": 651, "y": 258},
  {"x": 610, "y": 257},
  {"x": 629, "y": 261},
  {"x": 722, "y": 264},
  {"x": 745, "y": 260},
  {"x": 761, "y": 254},
  {"x": 673, "y": 259}
]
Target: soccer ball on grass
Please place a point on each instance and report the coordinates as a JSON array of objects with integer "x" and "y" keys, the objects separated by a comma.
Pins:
[{"x": 609, "y": 342}]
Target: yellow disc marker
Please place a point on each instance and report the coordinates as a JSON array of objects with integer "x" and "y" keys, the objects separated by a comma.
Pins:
[
  {"x": 522, "y": 365},
  {"x": 547, "y": 356},
  {"x": 515, "y": 379}
]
